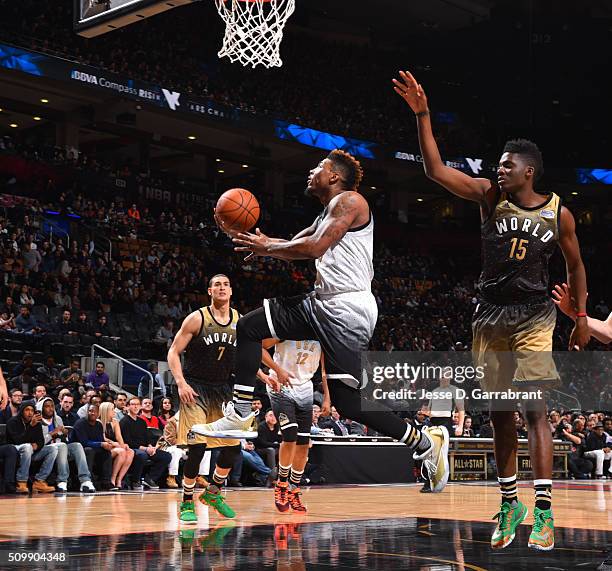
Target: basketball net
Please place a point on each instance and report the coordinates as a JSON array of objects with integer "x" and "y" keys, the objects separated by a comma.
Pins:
[{"x": 254, "y": 30}]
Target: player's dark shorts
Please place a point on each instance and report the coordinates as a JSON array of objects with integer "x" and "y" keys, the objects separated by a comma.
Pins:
[
  {"x": 343, "y": 324},
  {"x": 514, "y": 344},
  {"x": 207, "y": 408},
  {"x": 290, "y": 413}
]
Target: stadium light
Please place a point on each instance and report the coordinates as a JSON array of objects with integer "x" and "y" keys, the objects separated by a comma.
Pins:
[
  {"x": 36, "y": 118},
  {"x": 14, "y": 125},
  {"x": 43, "y": 100},
  {"x": 574, "y": 193},
  {"x": 245, "y": 166},
  {"x": 419, "y": 200},
  {"x": 220, "y": 171},
  {"x": 191, "y": 137}
]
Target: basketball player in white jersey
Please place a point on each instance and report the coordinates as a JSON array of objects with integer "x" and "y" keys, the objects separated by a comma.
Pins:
[
  {"x": 292, "y": 406},
  {"x": 340, "y": 313}
]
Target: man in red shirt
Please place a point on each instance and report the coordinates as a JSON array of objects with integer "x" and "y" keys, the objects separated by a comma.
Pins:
[{"x": 146, "y": 413}]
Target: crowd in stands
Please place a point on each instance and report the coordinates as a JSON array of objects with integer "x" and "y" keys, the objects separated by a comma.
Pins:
[{"x": 173, "y": 51}]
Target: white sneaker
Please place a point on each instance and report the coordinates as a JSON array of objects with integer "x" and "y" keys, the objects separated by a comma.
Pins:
[
  {"x": 62, "y": 487},
  {"x": 435, "y": 459},
  {"x": 88, "y": 488},
  {"x": 231, "y": 425}
]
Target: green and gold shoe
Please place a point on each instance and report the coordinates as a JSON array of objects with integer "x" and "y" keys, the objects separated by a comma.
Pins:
[
  {"x": 217, "y": 501},
  {"x": 508, "y": 519},
  {"x": 187, "y": 513},
  {"x": 543, "y": 533}
]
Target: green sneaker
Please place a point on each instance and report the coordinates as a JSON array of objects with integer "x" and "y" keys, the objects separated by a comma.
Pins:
[
  {"x": 543, "y": 533},
  {"x": 217, "y": 501},
  {"x": 187, "y": 512},
  {"x": 508, "y": 519}
]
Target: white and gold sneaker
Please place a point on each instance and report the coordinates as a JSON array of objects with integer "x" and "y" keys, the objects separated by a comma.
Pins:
[
  {"x": 230, "y": 425},
  {"x": 435, "y": 458}
]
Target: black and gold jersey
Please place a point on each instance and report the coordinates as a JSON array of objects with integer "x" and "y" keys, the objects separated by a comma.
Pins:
[
  {"x": 210, "y": 356},
  {"x": 517, "y": 244}
]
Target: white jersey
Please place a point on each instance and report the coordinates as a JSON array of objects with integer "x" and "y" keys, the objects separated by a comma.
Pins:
[
  {"x": 347, "y": 266},
  {"x": 301, "y": 359}
]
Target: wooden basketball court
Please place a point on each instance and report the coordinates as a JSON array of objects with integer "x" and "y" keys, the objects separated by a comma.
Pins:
[{"x": 390, "y": 526}]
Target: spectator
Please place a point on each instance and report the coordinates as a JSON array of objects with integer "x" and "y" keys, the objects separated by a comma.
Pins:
[
  {"x": 65, "y": 325},
  {"x": 354, "y": 428},
  {"x": 8, "y": 456},
  {"x": 263, "y": 475},
  {"x": 256, "y": 404},
  {"x": 89, "y": 433},
  {"x": 120, "y": 404},
  {"x": 165, "y": 334},
  {"x": 579, "y": 466},
  {"x": 40, "y": 391},
  {"x": 49, "y": 373},
  {"x": 10, "y": 307},
  {"x": 27, "y": 362},
  {"x": 146, "y": 413},
  {"x": 486, "y": 429},
  {"x": 519, "y": 421},
  {"x": 7, "y": 322},
  {"x": 335, "y": 423},
  {"x": 122, "y": 454},
  {"x": 268, "y": 441},
  {"x": 26, "y": 323},
  {"x": 72, "y": 377},
  {"x": 15, "y": 400},
  {"x": 102, "y": 329},
  {"x": 91, "y": 397},
  {"x": 98, "y": 379},
  {"x": 468, "y": 431},
  {"x": 25, "y": 298},
  {"x": 54, "y": 433},
  {"x": 66, "y": 412},
  {"x": 134, "y": 431},
  {"x": 598, "y": 449},
  {"x": 159, "y": 387},
  {"x": 25, "y": 432},
  {"x": 316, "y": 414},
  {"x": 165, "y": 412},
  {"x": 83, "y": 325},
  {"x": 134, "y": 213}
]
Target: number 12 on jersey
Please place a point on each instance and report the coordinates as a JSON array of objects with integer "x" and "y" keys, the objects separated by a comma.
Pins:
[{"x": 519, "y": 248}]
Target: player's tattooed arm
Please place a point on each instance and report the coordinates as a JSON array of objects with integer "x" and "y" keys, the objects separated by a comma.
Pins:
[
  {"x": 344, "y": 211},
  {"x": 576, "y": 277}
]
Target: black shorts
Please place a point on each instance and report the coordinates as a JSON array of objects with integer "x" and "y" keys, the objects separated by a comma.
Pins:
[
  {"x": 343, "y": 324},
  {"x": 290, "y": 413}
]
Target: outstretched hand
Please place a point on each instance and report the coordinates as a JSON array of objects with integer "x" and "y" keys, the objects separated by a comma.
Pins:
[
  {"x": 562, "y": 298},
  {"x": 224, "y": 227},
  {"x": 411, "y": 92}
]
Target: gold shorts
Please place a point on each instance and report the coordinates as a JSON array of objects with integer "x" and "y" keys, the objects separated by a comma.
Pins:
[
  {"x": 207, "y": 408},
  {"x": 514, "y": 345}
]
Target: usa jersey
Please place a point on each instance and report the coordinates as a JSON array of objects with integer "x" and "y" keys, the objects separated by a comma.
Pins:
[{"x": 301, "y": 359}]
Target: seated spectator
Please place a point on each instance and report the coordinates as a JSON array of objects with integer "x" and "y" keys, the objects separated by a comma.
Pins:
[
  {"x": 66, "y": 410},
  {"x": 134, "y": 431},
  {"x": 55, "y": 434},
  {"x": 165, "y": 334},
  {"x": 120, "y": 404},
  {"x": 468, "y": 431},
  {"x": 486, "y": 429},
  {"x": 89, "y": 432},
  {"x": 40, "y": 391},
  {"x": 122, "y": 454},
  {"x": 15, "y": 400},
  {"x": 268, "y": 440},
  {"x": 316, "y": 428},
  {"x": 72, "y": 377},
  {"x": 7, "y": 322},
  {"x": 98, "y": 379},
  {"x": 335, "y": 423},
  {"x": 25, "y": 322},
  {"x": 596, "y": 447},
  {"x": 165, "y": 412},
  {"x": 25, "y": 381},
  {"x": 146, "y": 413},
  {"x": 49, "y": 373},
  {"x": 25, "y": 298},
  {"x": 27, "y": 362},
  {"x": 253, "y": 462},
  {"x": 134, "y": 213},
  {"x": 101, "y": 327},
  {"x": 83, "y": 325},
  {"x": 94, "y": 398},
  {"x": 10, "y": 308},
  {"x": 64, "y": 325},
  {"x": 579, "y": 466},
  {"x": 519, "y": 421},
  {"x": 256, "y": 404},
  {"x": 25, "y": 432}
]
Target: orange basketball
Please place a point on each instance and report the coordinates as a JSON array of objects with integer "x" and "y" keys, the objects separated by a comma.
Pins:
[{"x": 238, "y": 209}]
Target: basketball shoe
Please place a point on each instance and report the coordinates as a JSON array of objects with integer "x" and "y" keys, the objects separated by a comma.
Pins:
[
  {"x": 230, "y": 425},
  {"x": 435, "y": 458},
  {"x": 509, "y": 517},
  {"x": 543, "y": 533}
]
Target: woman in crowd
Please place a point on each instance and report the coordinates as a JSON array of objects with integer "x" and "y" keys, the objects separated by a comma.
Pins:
[
  {"x": 121, "y": 452},
  {"x": 165, "y": 412}
]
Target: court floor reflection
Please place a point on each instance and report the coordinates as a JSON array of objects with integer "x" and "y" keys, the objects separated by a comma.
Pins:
[{"x": 405, "y": 543}]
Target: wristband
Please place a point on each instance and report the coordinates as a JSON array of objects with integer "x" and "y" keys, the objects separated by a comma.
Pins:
[
  {"x": 581, "y": 315},
  {"x": 422, "y": 113}
]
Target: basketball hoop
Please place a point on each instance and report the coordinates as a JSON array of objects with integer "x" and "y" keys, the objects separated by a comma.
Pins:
[{"x": 254, "y": 30}]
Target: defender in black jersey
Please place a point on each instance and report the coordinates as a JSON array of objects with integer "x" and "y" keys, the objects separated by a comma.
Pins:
[
  {"x": 205, "y": 382},
  {"x": 514, "y": 321}
]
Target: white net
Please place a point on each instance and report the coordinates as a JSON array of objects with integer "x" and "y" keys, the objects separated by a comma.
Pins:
[{"x": 254, "y": 30}]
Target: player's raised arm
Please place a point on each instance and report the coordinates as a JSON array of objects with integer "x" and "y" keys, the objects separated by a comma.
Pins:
[
  {"x": 455, "y": 181},
  {"x": 189, "y": 329},
  {"x": 344, "y": 210},
  {"x": 576, "y": 277}
]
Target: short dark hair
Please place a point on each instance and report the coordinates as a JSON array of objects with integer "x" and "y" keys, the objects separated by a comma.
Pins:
[
  {"x": 210, "y": 281},
  {"x": 119, "y": 394},
  {"x": 100, "y": 363},
  {"x": 15, "y": 390},
  {"x": 348, "y": 168},
  {"x": 529, "y": 151}
]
